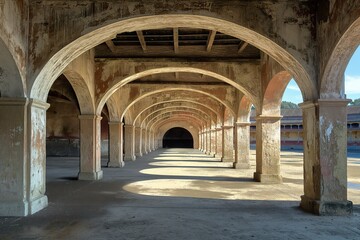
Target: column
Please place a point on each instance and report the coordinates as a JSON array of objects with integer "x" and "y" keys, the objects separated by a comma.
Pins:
[
  {"x": 148, "y": 141},
  {"x": 213, "y": 142},
  {"x": 203, "y": 146},
  {"x": 325, "y": 157},
  {"x": 228, "y": 144},
  {"x": 268, "y": 149},
  {"x": 208, "y": 141},
  {"x": 144, "y": 141},
  {"x": 129, "y": 143},
  {"x": 219, "y": 151},
  {"x": 242, "y": 145},
  {"x": 138, "y": 143},
  {"x": 90, "y": 148},
  {"x": 152, "y": 143},
  {"x": 22, "y": 156},
  {"x": 116, "y": 145}
]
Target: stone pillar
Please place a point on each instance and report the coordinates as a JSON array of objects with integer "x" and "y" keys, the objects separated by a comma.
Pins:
[
  {"x": 219, "y": 143},
  {"x": 90, "y": 148},
  {"x": 268, "y": 149},
  {"x": 138, "y": 143},
  {"x": 129, "y": 143},
  {"x": 152, "y": 142},
  {"x": 228, "y": 144},
  {"x": 144, "y": 141},
  {"x": 148, "y": 141},
  {"x": 203, "y": 146},
  {"x": 242, "y": 145},
  {"x": 116, "y": 145},
  {"x": 22, "y": 156},
  {"x": 325, "y": 158},
  {"x": 208, "y": 141},
  {"x": 213, "y": 142}
]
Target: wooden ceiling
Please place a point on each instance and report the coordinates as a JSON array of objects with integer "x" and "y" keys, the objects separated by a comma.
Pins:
[{"x": 176, "y": 42}]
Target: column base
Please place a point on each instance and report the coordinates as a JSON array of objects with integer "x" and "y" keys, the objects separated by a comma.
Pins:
[
  {"x": 227, "y": 160},
  {"x": 116, "y": 164},
  {"x": 267, "y": 178},
  {"x": 239, "y": 165},
  {"x": 90, "y": 176},
  {"x": 129, "y": 158},
  {"x": 138, "y": 155},
  {"x": 22, "y": 209},
  {"x": 322, "y": 208},
  {"x": 212, "y": 154}
]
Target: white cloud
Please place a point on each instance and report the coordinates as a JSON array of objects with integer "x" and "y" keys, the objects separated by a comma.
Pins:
[
  {"x": 352, "y": 84},
  {"x": 293, "y": 87}
]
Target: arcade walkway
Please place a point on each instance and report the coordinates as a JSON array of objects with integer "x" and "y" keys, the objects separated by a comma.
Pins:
[{"x": 179, "y": 194}]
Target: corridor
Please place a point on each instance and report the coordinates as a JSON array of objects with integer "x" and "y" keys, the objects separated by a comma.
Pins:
[{"x": 178, "y": 194}]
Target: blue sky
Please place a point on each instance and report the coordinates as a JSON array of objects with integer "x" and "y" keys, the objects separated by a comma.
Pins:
[{"x": 352, "y": 82}]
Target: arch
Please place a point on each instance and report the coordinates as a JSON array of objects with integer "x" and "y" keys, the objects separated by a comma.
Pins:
[
  {"x": 152, "y": 122},
  {"x": 183, "y": 138},
  {"x": 176, "y": 89},
  {"x": 68, "y": 53},
  {"x": 159, "y": 112},
  {"x": 121, "y": 82},
  {"x": 332, "y": 81},
  {"x": 244, "y": 110},
  {"x": 175, "y": 108},
  {"x": 82, "y": 91},
  {"x": 274, "y": 92},
  {"x": 174, "y": 101},
  {"x": 168, "y": 124},
  {"x": 177, "y": 117},
  {"x": 11, "y": 83}
]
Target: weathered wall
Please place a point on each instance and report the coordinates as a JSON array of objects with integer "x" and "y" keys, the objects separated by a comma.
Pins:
[{"x": 13, "y": 47}]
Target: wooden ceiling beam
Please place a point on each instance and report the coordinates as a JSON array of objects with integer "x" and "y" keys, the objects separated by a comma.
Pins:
[
  {"x": 210, "y": 40},
  {"x": 242, "y": 47},
  {"x": 176, "y": 39},
  {"x": 141, "y": 40},
  {"x": 111, "y": 46}
]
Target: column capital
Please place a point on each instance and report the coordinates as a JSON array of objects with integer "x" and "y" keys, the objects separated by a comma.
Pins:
[
  {"x": 219, "y": 128},
  {"x": 116, "y": 123},
  {"x": 227, "y": 127},
  {"x": 269, "y": 118},
  {"x": 242, "y": 124},
  {"x": 90, "y": 117}
]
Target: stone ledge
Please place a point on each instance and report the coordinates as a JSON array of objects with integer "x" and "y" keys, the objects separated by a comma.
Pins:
[
  {"x": 267, "y": 178},
  {"x": 323, "y": 208},
  {"x": 227, "y": 160}
]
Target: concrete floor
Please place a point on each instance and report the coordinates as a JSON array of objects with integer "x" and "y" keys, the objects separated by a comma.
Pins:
[{"x": 181, "y": 194}]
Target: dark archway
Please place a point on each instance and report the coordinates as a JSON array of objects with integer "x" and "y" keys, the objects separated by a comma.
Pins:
[{"x": 178, "y": 138}]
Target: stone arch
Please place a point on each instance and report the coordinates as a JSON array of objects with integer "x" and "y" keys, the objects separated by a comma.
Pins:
[
  {"x": 155, "y": 120},
  {"x": 174, "y": 109},
  {"x": 332, "y": 81},
  {"x": 82, "y": 91},
  {"x": 177, "y": 89},
  {"x": 11, "y": 83},
  {"x": 63, "y": 57},
  {"x": 170, "y": 124},
  {"x": 274, "y": 92},
  {"x": 121, "y": 82},
  {"x": 244, "y": 110},
  {"x": 175, "y": 101}
]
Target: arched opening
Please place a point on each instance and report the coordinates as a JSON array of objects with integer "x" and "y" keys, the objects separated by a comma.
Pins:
[{"x": 178, "y": 138}]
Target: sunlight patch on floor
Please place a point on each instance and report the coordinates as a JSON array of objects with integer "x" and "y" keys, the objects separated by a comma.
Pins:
[{"x": 210, "y": 189}]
